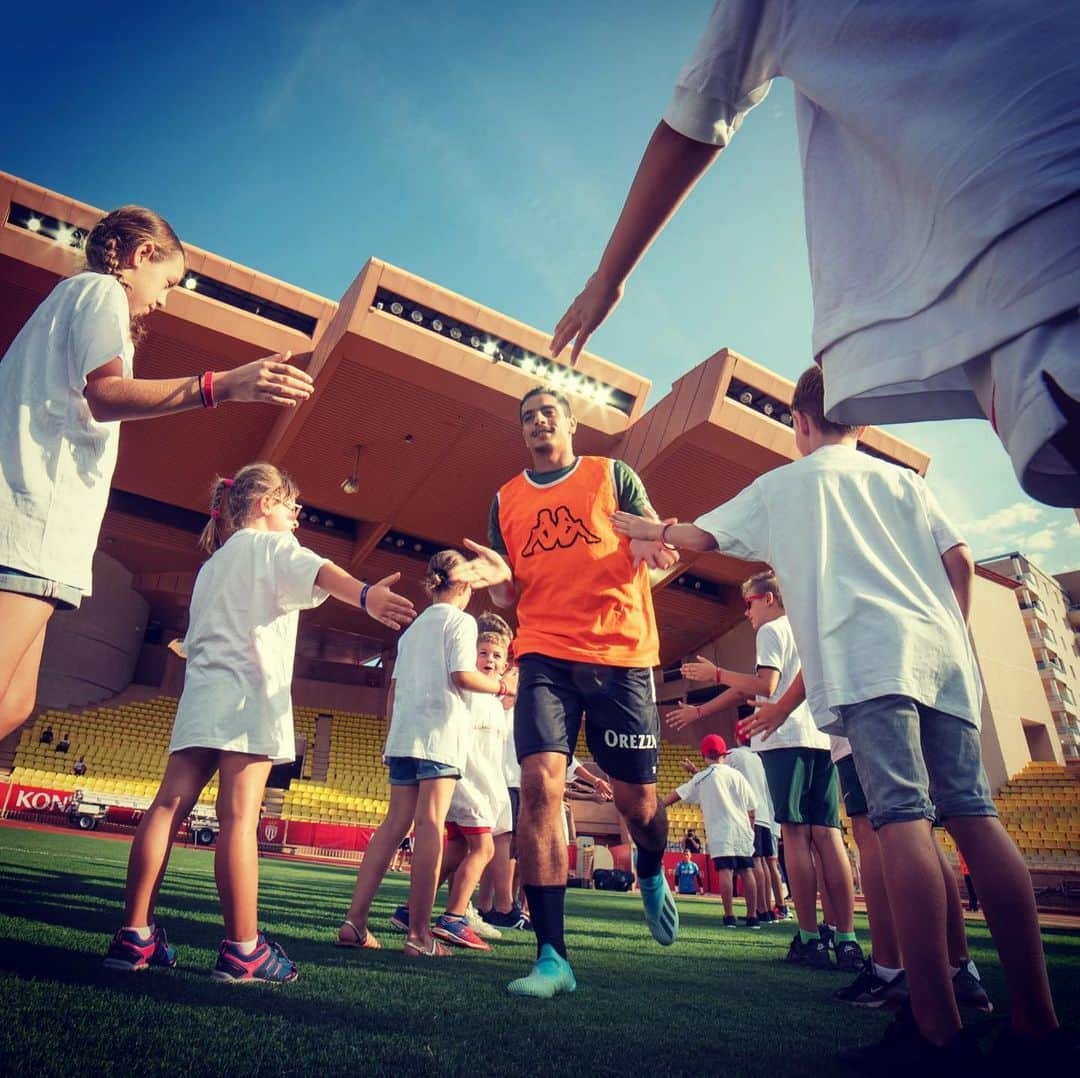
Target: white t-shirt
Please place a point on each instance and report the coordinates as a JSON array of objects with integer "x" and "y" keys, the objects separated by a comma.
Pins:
[
  {"x": 511, "y": 767},
  {"x": 749, "y": 765},
  {"x": 481, "y": 799},
  {"x": 929, "y": 133},
  {"x": 775, "y": 648},
  {"x": 56, "y": 460},
  {"x": 241, "y": 642},
  {"x": 839, "y": 748},
  {"x": 726, "y": 799},
  {"x": 431, "y": 718},
  {"x": 864, "y": 586}
]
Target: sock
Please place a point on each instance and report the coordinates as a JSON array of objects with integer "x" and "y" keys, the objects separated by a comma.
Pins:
[
  {"x": 245, "y": 946},
  {"x": 649, "y": 862},
  {"x": 845, "y": 937},
  {"x": 144, "y": 932},
  {"x": 808, "y": 937},
  {"x": 546, "y": 911},
  {"x": 886, "y": 973}
]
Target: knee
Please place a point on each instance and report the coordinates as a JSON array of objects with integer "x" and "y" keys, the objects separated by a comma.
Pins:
[
  {"x": 541, "y": 791},
  {"x": 16, "y": 706},
  {"x": 637, "y": 804}
]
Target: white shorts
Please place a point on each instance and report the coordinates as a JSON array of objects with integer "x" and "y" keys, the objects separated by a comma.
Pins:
[{"x": 478, "y": 802}]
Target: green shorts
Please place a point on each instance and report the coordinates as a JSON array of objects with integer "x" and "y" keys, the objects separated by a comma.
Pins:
[{"x": 803, "y": 786}]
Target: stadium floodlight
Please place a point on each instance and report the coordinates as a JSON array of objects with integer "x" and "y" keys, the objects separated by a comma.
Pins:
[
  {"x": 65, "y": 234},
  {"x": 528, "y": 365},
  {"x": 768, "y": 408},
  {"x": 417, "y": 316},
  {"x": 396, "y": 308},
  {"x": 746, "y": 397},
  {"x": 455, "y": 333},
  {"x": 34, "y": 224},
  {"x": 436, "y": 324},
  {"x": 489, "y": 347},
  {"x": 190, "y": 283},
  {"x": 786, "y": 419}
]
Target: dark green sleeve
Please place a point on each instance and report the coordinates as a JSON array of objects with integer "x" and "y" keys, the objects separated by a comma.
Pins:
[
  {"x": 630, "y": 491},
  {"x": 495, "y": 538}
]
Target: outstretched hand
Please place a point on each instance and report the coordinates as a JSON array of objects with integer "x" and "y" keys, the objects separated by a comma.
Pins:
[
  {"x": 766, "y": 720},
  {"x": 682, "y": 716},
  {"x": 270, "y": 380},
  {"x": 487, "y": 570},
  {"x": 635, "y": 527},
  {"x": 689, "y": 766},
  {"x": 585, "y": 315},
  {"x": 701, "y": 670},
  {"x": 386, "y": 606}
]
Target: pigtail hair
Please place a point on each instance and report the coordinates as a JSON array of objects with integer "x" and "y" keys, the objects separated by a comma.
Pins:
[{"x": 220, "y": 525}]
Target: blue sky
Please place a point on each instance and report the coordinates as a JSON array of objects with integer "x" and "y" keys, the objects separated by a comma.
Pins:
[{"x": 485, "y": 146}]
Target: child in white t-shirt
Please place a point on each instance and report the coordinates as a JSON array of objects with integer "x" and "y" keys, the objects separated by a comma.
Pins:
[
  {"x": 801, "y": 778},
  {"x": 878, "y": 588},
  {"x": 945, "y": 257},
  {"x": 728, "y": 805},
  {"x": 427, "y": 746},
  {"x": 748, "y": 763},
  {"x": 66, "y": 382},
  {"x": 235, "y": 713}
]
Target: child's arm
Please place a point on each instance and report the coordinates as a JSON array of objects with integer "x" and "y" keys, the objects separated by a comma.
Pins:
[
  {"x": 762, "y": 683},
  {"x": 768, "y": 718},
  {"x": 683, "y": 536},
  {"x": 475, "y": 681},
  {"x": 671, "y": 798},
  {"x": 377, "y": 600},
  {"x": 670, "y": 167},
  {"x": 960, "y": 569},
  {"x": 601, "y": 789},
  {"x": 685, "y": 714},
  {"x": 270, "y": 380}
]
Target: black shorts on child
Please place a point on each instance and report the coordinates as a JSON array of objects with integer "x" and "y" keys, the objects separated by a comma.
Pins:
[
  {"x": 735, "y": 864},
  {"x": 764, "y": 846}
]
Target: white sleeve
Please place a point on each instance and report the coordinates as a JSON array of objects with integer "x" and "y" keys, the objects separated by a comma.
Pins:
[
  {"x": 768, "y": 648},
  {"x": 740, "y": 526},
  {"x": 729, "y": 72},
  {"x": 945, "y": 534},
  {"x": 749, "y": 797},
  {"x": 688, "y": 791},
  {"x": 572, "y": 768},
  {"x": 294, "y": 570},
  {"x": 100, "y": 328},
  {"x": 461, "y": 643}
]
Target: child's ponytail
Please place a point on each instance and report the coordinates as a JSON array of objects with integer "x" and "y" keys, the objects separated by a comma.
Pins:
[
  {"x": 220, "y": 525},
  {"x": 437, "y": 579}
]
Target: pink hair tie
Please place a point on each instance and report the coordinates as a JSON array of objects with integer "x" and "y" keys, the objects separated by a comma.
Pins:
[
  {"x": 227, "y": 482},
  {"x": 214, "y": 514}
]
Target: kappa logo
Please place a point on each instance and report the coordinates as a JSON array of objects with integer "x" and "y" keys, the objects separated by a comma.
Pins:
[{"x": 556, "y": 529}]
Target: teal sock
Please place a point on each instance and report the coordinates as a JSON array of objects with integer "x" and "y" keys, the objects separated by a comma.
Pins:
[
  {"x": 845, "y": 937},
  {"x": 808, "y": 937}
]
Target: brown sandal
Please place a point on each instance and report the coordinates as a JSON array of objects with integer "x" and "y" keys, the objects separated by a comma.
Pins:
[
  {"x": 414, "y": 950},
  {"x": 364, "y": 941}
]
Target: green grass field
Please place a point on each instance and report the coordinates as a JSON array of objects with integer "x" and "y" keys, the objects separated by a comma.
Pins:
[{"x": 719, "y": 1000}]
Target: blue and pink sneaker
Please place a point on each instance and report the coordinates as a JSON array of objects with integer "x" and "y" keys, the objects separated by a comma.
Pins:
[
  {"x": 399, "y": 919},
  {"x": 456, "y": 930},
  {"x": 268, "y": 962},
  {"x": 130, "y": 952}
]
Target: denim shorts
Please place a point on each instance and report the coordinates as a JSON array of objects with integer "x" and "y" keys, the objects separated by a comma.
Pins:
[
  {"x": 63, "y": 595},
  {"x": 915, "y": 762},
  {"x": 411, "y": 771}
]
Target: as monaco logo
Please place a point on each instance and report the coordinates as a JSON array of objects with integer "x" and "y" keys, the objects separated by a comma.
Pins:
[
  {"x": 40, "y": 801},
  {"x": 270, "y": 832}
]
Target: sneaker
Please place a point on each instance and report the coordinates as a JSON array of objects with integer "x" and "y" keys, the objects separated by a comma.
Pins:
[
  {"x": 968, "y": 989},
  {"x": 751, "y": 923},
  {"x": 268, "y": 962},
  {"x": 767, "y": 918},
  {"x": 814, "y": 954},
  {"x": 870, "y": 990},
  {"x": 550, "y": 975},
  {"x": 903, "y": 1050},
  {"x": 661, "y": 913},
  {"x": 849, "y": 956},
  {"x": 399, "y": 919},
  {"x": 456, "y": 930},
  {"x": 130, "y": 952},
  {"x": 479, "y": 925},
  {"x": 782, "y": 913},
  {"x": 730, "y": 922},
  {"x": 828, "y": 936},
  {"x": 514, "y": 919}
]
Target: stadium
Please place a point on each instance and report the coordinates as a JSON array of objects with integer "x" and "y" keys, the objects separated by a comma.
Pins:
[{"x": 412, "y": 427}]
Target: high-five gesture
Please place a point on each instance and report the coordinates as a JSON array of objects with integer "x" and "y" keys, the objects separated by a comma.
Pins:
[
  {"x": 597, "y": 300},
  {"x": 386, "y": 606},
  {"x": 270, "y": 380},
  {"x": 702, "y": 670},
  {"x": 683, "y": 715},
  {"x": 487, "y": 570}
]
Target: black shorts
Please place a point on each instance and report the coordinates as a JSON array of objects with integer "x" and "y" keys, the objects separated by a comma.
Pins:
[
  {"x": 763, "y": 841},
  {"x": 618, "y": 703},
  {"x": 851, "y": 787},
  {"x": 515, "y": 804},
  {"x": 735, "y": 864}
]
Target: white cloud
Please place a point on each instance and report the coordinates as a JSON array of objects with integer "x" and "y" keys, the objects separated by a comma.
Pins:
[
  {"x": 1005, "y": 521},
  {"x": 1041, "y": 541}
]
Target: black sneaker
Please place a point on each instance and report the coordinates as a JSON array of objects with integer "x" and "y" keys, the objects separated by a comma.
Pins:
[
  {"x": 513, "y": 918},
  {"x": 903, "y": 1050},
  {"x": 828, "y": 937},
  {"x": 969, "y": 991},
  {"x": 870, "y": 990},
  {"x": 730, "y": 922},
  {"x": 813, "y": 954},
  {"x": 767, "y": 918},
  {"x": 751, "y": 922},
  {"x": 849, "y": 956}
]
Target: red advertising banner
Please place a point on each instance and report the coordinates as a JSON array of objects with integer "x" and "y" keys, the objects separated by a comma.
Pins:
[
  {"x": 19, "y": 798},
  {"x": 708, "y": 877}
]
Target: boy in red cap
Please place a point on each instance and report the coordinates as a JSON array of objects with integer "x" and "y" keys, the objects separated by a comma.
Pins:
[{"x": 728, "y": 804}]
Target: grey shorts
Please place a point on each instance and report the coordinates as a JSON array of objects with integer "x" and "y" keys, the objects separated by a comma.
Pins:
[
  {"x": 915, "y": 762},
  {"x": 63, "y": 595}
]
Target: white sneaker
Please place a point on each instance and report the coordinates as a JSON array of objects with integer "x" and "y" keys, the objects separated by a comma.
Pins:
[{"x": 479, "y": 925}]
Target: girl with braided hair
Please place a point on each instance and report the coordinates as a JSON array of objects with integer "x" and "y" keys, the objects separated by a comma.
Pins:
[
  {"x": 235, "y": 714},
  {"x": 66, "y": 383}
]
